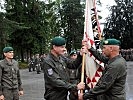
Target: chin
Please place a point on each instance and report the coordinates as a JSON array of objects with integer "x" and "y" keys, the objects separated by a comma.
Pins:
[
  {"x": 104, "y": 54},
  {"x": 62, "y": 54}
]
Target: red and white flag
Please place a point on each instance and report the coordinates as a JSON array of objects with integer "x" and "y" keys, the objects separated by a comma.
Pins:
[{"x": 93, "y": 67}]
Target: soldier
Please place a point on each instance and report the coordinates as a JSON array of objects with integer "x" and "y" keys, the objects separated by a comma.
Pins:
[
  {"x": 111, "y": 85},
  {"x": 131, "y": 54},
  {"x": 56, "y": 76},
  {"x": 31, "y": 64},
  {"x": 72, "y": 72},
  {"x": 42, "y": 57},
  {"x": 10, "y": 81},
  {"x": 38, "y": 64}
]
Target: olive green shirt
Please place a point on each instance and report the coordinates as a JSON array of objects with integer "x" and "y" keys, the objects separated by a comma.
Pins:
[
  {"x": 111, "y": 85},
  {"x": 9, "y": 75},
  {"x": 57, "y": 81}
]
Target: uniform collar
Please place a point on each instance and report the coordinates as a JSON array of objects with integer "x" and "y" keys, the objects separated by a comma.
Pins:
[
  {"x": 9, "y": 63},
  {"x": 113, "y": 59},
  {"x": 54, "y": 57}
]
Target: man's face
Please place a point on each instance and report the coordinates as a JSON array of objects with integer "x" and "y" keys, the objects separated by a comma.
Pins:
[
  {"x": 106, "y": 50},
  {"x": 9, "y": 54},
  {"x": 74, "y": 56},
  {"x": 59, "y": 50}
]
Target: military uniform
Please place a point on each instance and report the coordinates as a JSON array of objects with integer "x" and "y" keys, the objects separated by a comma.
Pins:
[
  {"x": 111, "y": 86},
  {"x": 57, "y": 78},
  {"x": 38, "y": 64},
  {"x": 31, "y": 64},
  {"x": 73, "y": 76},
  {"x": 73, "y": 72},
  {"x": 10, "y": 82},
  {"x": 57, "y": 81}
]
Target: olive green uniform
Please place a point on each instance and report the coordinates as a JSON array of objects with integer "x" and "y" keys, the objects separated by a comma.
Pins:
[
  {"x": 56, "y": 77},
  {"x": 10, "y": 82},
  {"x": 111, "y": 86}
]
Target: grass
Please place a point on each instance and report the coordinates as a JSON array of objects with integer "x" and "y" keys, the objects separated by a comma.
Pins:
[{"x": 23, "y": 65}]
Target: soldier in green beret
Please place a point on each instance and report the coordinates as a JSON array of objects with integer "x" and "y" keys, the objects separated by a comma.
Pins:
[
  {"x": 72, "y": 72},
  {"x": 111, "y": 85},
  {"x": 74, "y": 76},
  {"x": 73, "y": 54},
  {"x": 57, "y": 81},
  {"x": 10, "y": 81}
]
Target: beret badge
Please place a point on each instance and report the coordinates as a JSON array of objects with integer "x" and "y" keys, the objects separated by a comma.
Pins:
[{"x": 106, "y": 42}]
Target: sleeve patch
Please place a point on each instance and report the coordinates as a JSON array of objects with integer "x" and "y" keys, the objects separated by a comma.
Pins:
[{"x": 50, "y": 71}]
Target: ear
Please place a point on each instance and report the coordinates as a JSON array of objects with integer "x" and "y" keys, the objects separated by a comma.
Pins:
[
  {"x": 54, "y": 47},
  {"x": 4, "y": 53}
]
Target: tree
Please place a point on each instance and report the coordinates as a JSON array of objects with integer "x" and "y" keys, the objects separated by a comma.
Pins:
[
  {"x": 7, "y": 27},
  {"x": 119, "y": 24},
  {"x": 72, "y": 22},
  {"x": 41, "y": 20}
]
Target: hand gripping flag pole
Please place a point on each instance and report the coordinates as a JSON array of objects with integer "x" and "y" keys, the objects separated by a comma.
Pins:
[
  {"x": 86, "y": 31},
  {"x": 82, "y": 70},
  {"x": 90, "y": 64}
]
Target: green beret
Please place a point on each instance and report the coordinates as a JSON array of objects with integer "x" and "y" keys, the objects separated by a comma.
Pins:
[
  {"x": 111, "y": 42},
  {"x": 58, "y": 41},
  {"x": 73, "y": 52},
  {"x": 7, "y": 49}
]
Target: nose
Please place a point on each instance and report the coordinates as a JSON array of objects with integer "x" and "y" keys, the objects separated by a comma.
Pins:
[{"x": 64, "y": 48}]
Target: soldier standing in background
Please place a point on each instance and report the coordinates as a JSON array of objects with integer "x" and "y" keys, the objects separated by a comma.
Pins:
[
  {"x": 31, "y": 65},
  {"x": 38, "y": 63},
  {"x": 72, "y": 72},
  {"x": 10, "y": 81},
  {"x": 42, "y": 57},
  {"x": 74, "y": 79}
]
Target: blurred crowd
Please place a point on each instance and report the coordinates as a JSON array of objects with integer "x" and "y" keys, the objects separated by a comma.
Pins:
[
  {"x": 127, "y": 54},
  {"x": 35, "y": 63}
]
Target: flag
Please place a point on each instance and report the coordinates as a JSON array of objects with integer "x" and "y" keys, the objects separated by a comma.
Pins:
[
  {"x": 93, "y": 67},
  {"x": 98, "y": 24}
]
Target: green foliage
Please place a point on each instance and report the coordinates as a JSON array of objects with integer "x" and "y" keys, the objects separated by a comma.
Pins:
[
  {"x": 120, "y": 24},
  {"x": 35, "y": 23},
  {"x": 23, "y": 65},
  {"x": 7, "y": 27},
  {"x": 72, "y": 22}
]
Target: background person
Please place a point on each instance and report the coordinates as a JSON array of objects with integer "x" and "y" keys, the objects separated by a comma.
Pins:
[
  {"x": 31, "y": 65},
  {"x": 72, "y": 72},
  {"x": 38, "y": 63},
  {"x": 74, "y": 75},
  {"x": 10, "y": 81}
]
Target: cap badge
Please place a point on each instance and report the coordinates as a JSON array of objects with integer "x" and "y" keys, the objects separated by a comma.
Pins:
[{"x": 106, "y": 42}]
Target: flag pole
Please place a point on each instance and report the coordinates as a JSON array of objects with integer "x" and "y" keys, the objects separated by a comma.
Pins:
[
  {"x": 82, "y": 70},
  {"x": 85, "y": 32},
  {"x": 88, "y": 60}
]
